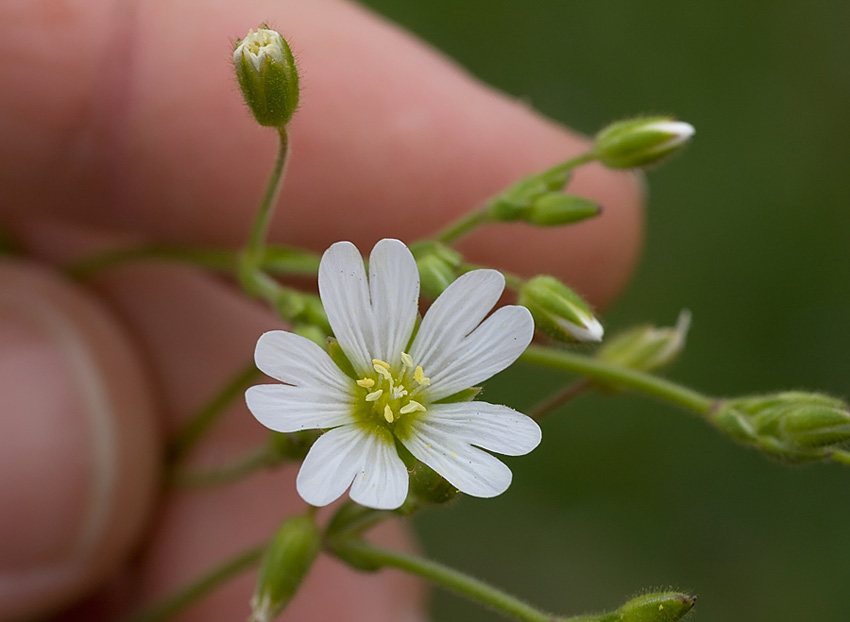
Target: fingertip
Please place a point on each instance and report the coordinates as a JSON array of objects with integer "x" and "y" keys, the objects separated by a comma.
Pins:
[{"x": 78, "y": 457}]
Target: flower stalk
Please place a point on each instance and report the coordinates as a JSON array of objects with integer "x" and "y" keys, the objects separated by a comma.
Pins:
[
  {"x": 615, "y": 375},
  {"x": 368, "y": 556},
  {"x": 252, "y": 258},
  {"x": 180, "y": 600}
]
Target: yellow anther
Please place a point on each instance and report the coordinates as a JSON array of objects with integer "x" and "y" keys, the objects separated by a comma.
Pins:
[
  {"x": 374, "y": 395},
  {"x": 406, "y": 359},
  {"x": 388, "y": 414},
  {"x": 366, "y": 383},
  {"x": 382, "y": 368},
  {"x": 411, "y": 406},
  {"x": 419, "y": 376}
]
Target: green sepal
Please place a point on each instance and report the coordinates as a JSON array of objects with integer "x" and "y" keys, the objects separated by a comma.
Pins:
[
  {"x": 557, "y": 208},
  {"x": 657, "y": 607},
  {"x": 467, "y": 395},
  {"x": 292, "y": 446},
  {"x": 341, "y": 360},
  {"x": 427, "y": 486}
]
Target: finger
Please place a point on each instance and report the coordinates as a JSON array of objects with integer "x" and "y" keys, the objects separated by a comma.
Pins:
[
  {"x": 197, "y": 333},
  {"x": 78, "y": 456},
  {"x": 142, "y": 128}
]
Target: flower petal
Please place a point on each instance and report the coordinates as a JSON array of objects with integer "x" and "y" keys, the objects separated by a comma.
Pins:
[
  {"x": 489, "y": 349},
  {"x": 347, "y": 454},
  {"x": 285, "y": 408},
  {"x": 469, "y": 469},
  {"x": 454, "y": 314},
  {"x": 296, "y": 360},
  {"x": 489, "y": 426},
  {"x": 374, "y": 318},
  {"x": 394, "y": 284},
  {"x": 382, "y": 480},
  {"x": 331, "y": 465},
  {"x": 344, "y": 291}
]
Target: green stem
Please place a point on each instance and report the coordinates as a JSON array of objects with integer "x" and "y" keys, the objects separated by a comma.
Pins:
[
  {"x": 568, "y": 393},
  {"x": 618, "y": 376},
  {"x": 446, "y": 577},
  {"x": 464, "y": 225},
  {"x": 570, "y": 164},
  {"x": 256, "y": 242},
  {"x": 259, "y": 458},
  {"x": 180, "y": 600},
  {"x": 189, "y": 435},
  {"x": 86, "y": 268},
  {"x": 481, "y": 216}
]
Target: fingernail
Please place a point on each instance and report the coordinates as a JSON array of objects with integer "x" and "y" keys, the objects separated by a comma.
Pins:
[{"x": 56, "y": 447}]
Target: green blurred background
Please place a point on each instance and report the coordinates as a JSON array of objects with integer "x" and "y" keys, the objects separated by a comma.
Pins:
[{"x": 748, "y": 230}]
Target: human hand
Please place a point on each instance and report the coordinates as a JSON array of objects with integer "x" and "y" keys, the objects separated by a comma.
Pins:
[{"x": 124, "y": 124}]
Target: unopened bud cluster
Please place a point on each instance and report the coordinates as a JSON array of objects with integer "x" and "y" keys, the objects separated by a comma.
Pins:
[
  {"x": 638, "y": 143},
  {"x": 538, "y": 200},
  {"x": 559, "y": 311},
  {"x": 793, "y": 425},
  {"x": 267, "y": 76}
]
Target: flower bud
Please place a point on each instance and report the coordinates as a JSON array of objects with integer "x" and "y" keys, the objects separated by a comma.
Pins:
[
  {"x": 793, "y": 425},
  {"x": 647, "y": 348},
  {"x": 438, "y": 266},
  {"x": 556, "y": 208},
  {"x": 559, "y": 311},
  {"x": 285, "y": 564},
  {"x": 642, "y": 142},
  {"x": 516, "y": 202},
  {"x": 267, "y": 76},
  {"x": 658, "y": 607}
]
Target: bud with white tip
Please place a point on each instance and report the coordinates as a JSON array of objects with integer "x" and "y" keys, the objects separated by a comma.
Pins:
[
  {"x": 639, "y": 143},
  {"x": 647, "y": 348},
  {"x": 559, "y": 311},
  {"x": 267, "y": 76}
]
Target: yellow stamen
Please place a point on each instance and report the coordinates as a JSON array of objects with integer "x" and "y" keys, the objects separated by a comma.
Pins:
[
  {"x": 388, "y": 414},
  {"x": 419, "y": 376},
  {"x": 406, "y": 359},
  {"x": 366, "y": 383},
  {"x": 411, "y": 406},
  {"x": 374, "y": 395},
  {"x": 382, "y": 368}
]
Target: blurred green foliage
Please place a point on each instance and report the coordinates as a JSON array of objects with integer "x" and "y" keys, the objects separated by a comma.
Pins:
[{"x": 749, "y": 230}]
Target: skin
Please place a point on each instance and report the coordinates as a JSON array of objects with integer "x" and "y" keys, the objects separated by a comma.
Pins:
[{"x": 121, "y": 122}]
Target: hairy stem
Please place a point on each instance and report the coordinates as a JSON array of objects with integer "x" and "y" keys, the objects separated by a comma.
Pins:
[
  {"x": 260, "y": 458},
  {"x": 449, "y": 578},
  {"x": 619, "y": 376},
  {"x": 208, "y": 414},
  {"x": 188, "y": 595}
]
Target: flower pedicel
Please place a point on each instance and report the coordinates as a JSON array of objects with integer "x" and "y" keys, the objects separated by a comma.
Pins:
[{"x": 400, "y": 387}]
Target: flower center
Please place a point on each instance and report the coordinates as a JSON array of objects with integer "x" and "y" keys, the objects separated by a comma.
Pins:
[
  {"x": 389, "y": 395},
  {"x": 256, "y": 41}
]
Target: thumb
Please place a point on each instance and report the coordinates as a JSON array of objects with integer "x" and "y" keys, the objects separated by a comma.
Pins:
[{"x": 78, "y": 443}]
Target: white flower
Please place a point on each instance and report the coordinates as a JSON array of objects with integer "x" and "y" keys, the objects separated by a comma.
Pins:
[{"x": 398, "y": 386}]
